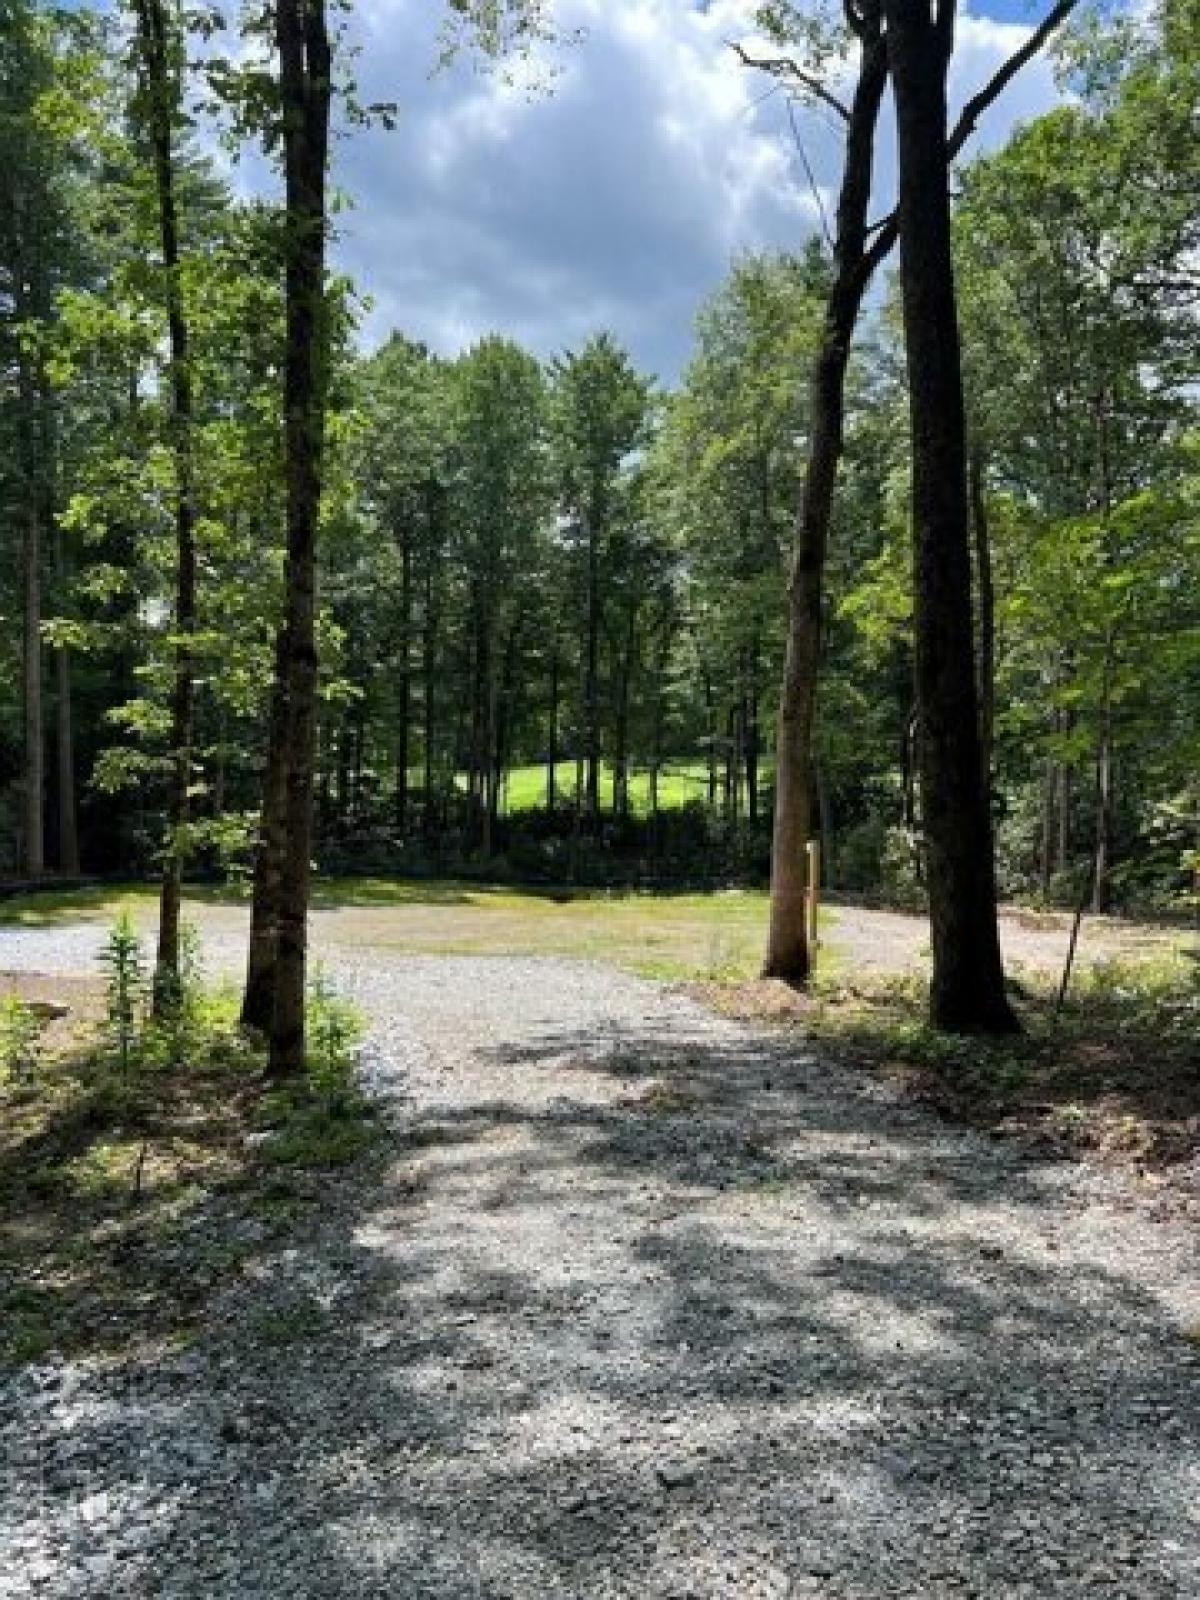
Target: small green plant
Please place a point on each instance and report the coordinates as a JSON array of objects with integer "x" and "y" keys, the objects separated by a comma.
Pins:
[
  {"x": 123, "y": 959},
  {"x": 335, "y": 1032},
  {"x": 20, "y": 1030},
  {"x": 180, "y": 1012}
]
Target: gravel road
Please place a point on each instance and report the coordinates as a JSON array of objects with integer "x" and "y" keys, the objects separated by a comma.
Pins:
[{"x": 648, "y": 1304}]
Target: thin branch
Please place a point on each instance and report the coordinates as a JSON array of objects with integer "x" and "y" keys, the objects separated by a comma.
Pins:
[
  {"x": 786, "y": 67},
  {"x": 809, "y": 174}
]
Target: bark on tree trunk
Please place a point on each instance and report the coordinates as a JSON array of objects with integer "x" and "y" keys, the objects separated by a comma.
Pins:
[
  {"x": 304, "y": 73},
  {"x": 787, "y": 954},
  {"x": 258, "y": 997},
  {"x": 591, "y": 687},
  {"x": 967, "y": 992},
  {"x": 162, "y": 92}
]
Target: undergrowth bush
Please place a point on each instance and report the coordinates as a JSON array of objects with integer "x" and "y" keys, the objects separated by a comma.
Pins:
[
  {"x": 335, "y": 1032},
  {"x": 20, "y": 1030}
]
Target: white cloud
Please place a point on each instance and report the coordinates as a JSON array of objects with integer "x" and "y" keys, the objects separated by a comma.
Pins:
[{"x": 615, "y": 200}]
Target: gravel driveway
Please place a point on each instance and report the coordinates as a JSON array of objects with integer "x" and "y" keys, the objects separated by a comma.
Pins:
[{"x": 647, "y": 1304}]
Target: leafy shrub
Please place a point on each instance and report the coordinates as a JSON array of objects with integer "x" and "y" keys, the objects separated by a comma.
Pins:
[
  {"x": 179, "y": 1024},
  {"x": 20, "y": 1030}
]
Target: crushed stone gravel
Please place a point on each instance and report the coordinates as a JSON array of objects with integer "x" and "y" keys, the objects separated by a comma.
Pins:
[{"x": 647, "y": 1304}]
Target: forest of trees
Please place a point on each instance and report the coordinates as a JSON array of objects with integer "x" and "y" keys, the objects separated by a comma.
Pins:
[{"x": 487, "y": 613}]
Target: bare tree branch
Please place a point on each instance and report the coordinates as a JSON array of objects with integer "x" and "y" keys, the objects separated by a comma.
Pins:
[
  {"x": 978, "y": 104},
  {"x": 786, "y": 67},
  {"x": 810, "y": 175},
  {"x": 885, "y": 229}
]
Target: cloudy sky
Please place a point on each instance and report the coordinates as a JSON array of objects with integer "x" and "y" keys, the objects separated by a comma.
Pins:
[{"x": 617, "y": 197}]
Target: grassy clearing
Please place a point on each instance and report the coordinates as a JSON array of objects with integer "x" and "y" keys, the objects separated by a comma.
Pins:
[
  {"x": 717, "y": 936},
  {"x": 661, "y": 935},
  {"x": 679, "y": 784},
  {"x": 128, "y": 1201}
]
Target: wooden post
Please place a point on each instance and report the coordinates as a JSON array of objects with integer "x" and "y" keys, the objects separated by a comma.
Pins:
[{"x": 813, "y": 892}]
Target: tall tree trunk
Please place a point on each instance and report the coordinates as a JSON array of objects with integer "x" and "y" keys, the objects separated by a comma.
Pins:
[
  {"x": 304, "y": 75},
  {"x": 258, "y": 996},
  {"x": 787, "y": 954},
  {"x": 967, "y": 992},
  {"x": 160, "y": 57}
]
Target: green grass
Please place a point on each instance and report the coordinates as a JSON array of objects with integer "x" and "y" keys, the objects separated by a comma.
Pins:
[
  {"x": 714, "y": 936},
  {"x": 661, "y": 935},
  {"x": 679, "y": 784}
]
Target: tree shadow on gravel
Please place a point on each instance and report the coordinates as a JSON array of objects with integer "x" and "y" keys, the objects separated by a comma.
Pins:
[{"x": 742, "y": 1328}]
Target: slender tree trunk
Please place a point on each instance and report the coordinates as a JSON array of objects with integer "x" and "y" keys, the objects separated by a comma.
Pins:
[
  {"x": 787, "y": 954},
  {"x": 967, "y": 992},
  {"x": 258, "y": 997},
  {"x": 304, "y": 74},
  {"x": 160, "y": 55}
]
